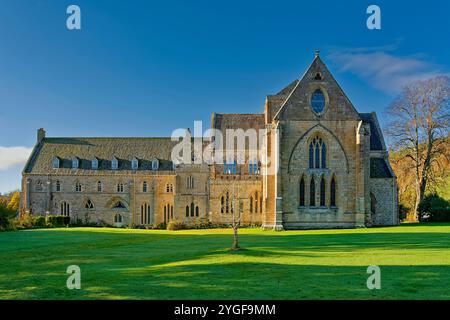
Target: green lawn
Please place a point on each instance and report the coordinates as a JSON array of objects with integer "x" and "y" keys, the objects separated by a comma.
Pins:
[{"x": 196, "y": 264}]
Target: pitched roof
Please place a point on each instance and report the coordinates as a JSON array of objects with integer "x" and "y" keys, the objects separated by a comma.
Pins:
[
  {"x": 376, "y": 142},
  {"x": 238, "y": 121},
  {"x": 317, "y": 65},
  {"x": 379, "y": 168},
  {"x": 104, "y": 149}
]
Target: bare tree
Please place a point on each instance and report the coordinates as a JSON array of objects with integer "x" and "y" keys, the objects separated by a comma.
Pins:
[
  {"x": 236, "y": 211},
  {"x": 419, "y": 125}
]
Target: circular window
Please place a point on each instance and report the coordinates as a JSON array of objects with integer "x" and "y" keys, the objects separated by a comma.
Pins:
[{"x": 318, "y": 101}]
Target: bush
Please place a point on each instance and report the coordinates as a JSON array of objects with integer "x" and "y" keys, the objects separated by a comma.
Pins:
[
  {"x": 6, "y": 218},
  {"x": 176, "y": 225},
  {"x": 57, "y": 221},
  {"x": 40, "y": 222},
  {"x": 434, "y": 209}
]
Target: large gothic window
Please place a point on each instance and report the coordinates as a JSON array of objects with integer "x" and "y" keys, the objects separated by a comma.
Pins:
[
  {"x": 317, "y": 154},
  {"x": 333, "y": 193},
  {"x": 318, "y": 101},
  {"x": 312, "y": 193},
  {"x": 302, "y": 192}
]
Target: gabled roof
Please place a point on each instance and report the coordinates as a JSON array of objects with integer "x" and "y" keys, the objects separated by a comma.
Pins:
[
  {"x": 288, "y": 92},
  {"x": 376, "y": 137},
  {"x": 238, "y": 121},
  {"x": 103, "y": 149}
]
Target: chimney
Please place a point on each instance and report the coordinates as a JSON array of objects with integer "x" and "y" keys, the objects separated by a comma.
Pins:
[{"x": 40, "y": 135}]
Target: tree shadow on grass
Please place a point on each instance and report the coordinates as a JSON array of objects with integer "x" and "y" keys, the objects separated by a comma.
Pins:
[{"x": 192, "y": 266}]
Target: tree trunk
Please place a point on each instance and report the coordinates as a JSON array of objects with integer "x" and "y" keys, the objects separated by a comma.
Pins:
[{"x": 235, "y": 245}]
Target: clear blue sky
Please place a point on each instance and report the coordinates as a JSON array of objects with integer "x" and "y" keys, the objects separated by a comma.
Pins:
[{"x": 144, "y": 68}]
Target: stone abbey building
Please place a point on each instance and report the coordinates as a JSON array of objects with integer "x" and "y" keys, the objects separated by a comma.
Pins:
[{"x": 330, "y": 170}]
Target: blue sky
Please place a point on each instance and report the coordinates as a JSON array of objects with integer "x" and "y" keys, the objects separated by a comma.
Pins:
[{"x": 144, "y": 68}]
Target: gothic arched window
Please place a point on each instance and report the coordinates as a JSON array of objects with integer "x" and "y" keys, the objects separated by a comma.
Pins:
[
  {"x": 145, "y": 213},
  {"x": 373, "y": 203},
  {"x": 302, "y": 192},
  {"x": 317, "y": 154},
  {"x": 144, "y": 186},
  {"x": 322, "y": 192},
  {"x": 196, "y": 211},
  {"x": 192, "y": 209},
  {"x": 312, "y": 193},
  {"x": 118, "y": 218},
  {"x": 333, "y": 193},
  {"x": 187, "y": 211},
  {"x": 64, "y": 209},
  {"x": 89, "y": 204}
]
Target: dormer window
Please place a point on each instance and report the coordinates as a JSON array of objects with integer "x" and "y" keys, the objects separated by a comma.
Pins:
[
  {"x": 114, "y": 163},
  {"x": 134, "y": 164},
  {"x": 155, "y": 164},
  {"x": 75, "y": 163},
  {"x": 94, "y": 164},
  {"x": 55, "y": 163}
]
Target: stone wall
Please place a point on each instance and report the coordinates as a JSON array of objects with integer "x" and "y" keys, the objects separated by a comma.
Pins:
[{"x": 386, "y": 203}]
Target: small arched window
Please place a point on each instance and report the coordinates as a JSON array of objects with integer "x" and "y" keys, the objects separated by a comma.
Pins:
[
  {"x": 251, "y": 204},
  {"x": 144, "y": 186},
  {"x": 318, "y": 101},
  {"x": 64, "y": 209},
  {"x": 58, "y": 186},
  {"x": 333, "y": 192},
  {"x": 227, "y": 202},
  {"x": 120, "y": 187},
  {"x": 145, "y": 213},
  {"x": 196, "y": 211},
  {"x": 187, "y": 211},
  {"x": 118, "y": 218},
  {"x": 169, "y": 188},
  {"x": 99, "y": 186},
  {"x": 302, "y": 192},
  {"x": 312, "y": 192},
  {"x": 322, "y": 192},
  {"x": 89, "y": 204},
  {"x": 373, "y": 203},
  {"x": 222, "y": 204},
  {"x": 78, "y": 187},
  {"x": 192, "y": 209}
]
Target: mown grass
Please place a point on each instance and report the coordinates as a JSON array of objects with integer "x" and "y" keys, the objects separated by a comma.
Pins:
[{"x": 197, "y": 264}]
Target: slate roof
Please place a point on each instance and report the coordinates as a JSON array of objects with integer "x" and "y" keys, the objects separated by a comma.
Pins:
[
  {"x": 238, "y": 121},
  {"x": 375, "y": 138},
  {"x": 104, "y": 149},
  {"x": 379, "y": 168}
]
